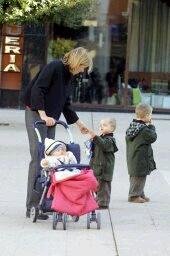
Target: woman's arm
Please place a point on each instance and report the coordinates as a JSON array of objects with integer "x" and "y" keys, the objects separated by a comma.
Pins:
[
  {"x": 41, "y": 87},
  {"x": 49, "y": 120},
  {"x": 71, "y": 117},
  {"x": 39, "y": 91},
  {"x": 69, "y": 114},
  {"x": 82, "y": 127}
]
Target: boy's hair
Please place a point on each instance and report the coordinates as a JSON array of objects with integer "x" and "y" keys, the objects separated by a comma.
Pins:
[
  {"x": 142, "y": 110},
  {"x": 76, "y": 58},
  {"x": 112, "y": 122}
]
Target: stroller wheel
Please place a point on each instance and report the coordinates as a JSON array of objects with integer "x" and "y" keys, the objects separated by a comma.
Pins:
[
  {"x": 98, "y": 220},
  {"x": 33, "y": 214},
  {"x": 54, "y": 220},
  {"x": 88, "y": 220},
  {"x": 64, "y": 221}
]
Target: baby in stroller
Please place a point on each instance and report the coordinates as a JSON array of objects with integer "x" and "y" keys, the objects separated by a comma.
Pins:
[{"x": 56, "y": 154}]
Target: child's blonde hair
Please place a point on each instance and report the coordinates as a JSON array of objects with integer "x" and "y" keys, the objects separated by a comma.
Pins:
[
  {"x": 76, "y": 58},
  {"x": 111, "y": 122},
  {"x": 142, "y": 110}
]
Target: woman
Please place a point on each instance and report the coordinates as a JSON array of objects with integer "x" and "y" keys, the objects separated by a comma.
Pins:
[{"x": 46, "y": 98}]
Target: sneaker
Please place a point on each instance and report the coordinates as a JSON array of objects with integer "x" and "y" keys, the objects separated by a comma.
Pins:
[
  {"x": 42, "y": 216},
  {"x": 147, "y": 199},
  {"x": 136, "y": 199}
]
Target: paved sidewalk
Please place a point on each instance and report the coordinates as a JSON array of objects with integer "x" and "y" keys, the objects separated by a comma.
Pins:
[{"x": 127, "y": 229}]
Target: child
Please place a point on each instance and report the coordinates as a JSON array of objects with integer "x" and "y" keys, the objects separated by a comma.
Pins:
[
  {"x": 103, "y": 159},
  {"x": 139, "y": 137},
  {"x": 56, "y": 154}
]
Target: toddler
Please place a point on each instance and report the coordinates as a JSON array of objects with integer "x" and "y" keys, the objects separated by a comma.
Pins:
[
  {"x": 139, "y": 137},
  {"x": 102, "y": 159}
]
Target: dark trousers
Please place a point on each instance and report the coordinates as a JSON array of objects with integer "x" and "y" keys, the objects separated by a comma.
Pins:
[
  {"x": 103, "y": 193},
  {"x": 137, "y": 185},
  {"x": 49, "y": 132}
]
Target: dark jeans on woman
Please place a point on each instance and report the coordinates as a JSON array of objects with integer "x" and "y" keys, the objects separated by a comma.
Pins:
[
  {"x": 49, "y": 132},
  {"x": 137, "y": 185}
]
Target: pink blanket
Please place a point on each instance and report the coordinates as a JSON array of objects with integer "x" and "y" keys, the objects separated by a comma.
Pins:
[{"x": 74, "y": 195}]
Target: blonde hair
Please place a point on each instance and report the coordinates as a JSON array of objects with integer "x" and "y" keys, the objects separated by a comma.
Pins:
[
  {"x": 142, "y": 110},
  {"x": 76, "y": 58},
  {"x": 111, "y": 122}
]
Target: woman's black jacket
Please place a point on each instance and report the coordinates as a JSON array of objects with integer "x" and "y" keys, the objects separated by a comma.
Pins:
[{"x": 50, "y": 90}]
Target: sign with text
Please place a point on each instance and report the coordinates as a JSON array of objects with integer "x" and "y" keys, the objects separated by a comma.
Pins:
[{"x": 12, "y": 57}]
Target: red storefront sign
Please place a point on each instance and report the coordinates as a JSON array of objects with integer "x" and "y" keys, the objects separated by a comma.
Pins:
[{"x": 12, "y": 57}]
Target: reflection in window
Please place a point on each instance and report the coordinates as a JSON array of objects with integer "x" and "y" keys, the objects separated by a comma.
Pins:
[
  {"x": 149, "y": 62},
  {"x": 105, "y": 37}
]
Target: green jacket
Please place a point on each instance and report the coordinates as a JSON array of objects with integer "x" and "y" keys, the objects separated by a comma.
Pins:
[
  {"x": 139, "y": 138},
  {"x": 103, "y": 158}
]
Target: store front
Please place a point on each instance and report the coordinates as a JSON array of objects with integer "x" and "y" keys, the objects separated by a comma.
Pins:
[
  {"x": 11, "y": 61},
  {"x": 22, "y": 54},
  {"x": 130, "y": 45},
  {"x": 149, "y": 52},
  {"x": 105, "y": 36}
]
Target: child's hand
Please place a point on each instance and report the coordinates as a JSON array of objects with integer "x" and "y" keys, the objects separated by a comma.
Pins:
[
  {"x": 150, "y": 122},
  {"x": 44, "y": 163}
]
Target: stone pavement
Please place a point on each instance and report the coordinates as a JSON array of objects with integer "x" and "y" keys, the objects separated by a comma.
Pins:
[{"x": 127, "y": 229}]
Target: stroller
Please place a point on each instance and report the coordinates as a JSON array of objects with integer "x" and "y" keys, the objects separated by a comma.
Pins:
[{"x": 49, "y": 191}]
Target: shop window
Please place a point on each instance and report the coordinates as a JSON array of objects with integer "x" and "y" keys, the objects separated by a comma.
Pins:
[
  {"x": 149, "y": 59},
  {"x": 105, "y": 37}
]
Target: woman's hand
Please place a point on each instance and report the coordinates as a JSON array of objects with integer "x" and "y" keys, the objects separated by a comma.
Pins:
[
  {"x": 92, "y": 134},
  {"x": 83, "y": 129},
  {"x": 48, "y": 120}
]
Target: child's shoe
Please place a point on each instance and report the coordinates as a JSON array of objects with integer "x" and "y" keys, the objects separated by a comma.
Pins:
[
  {"x": 136, "y": 199},
  {"x": 28, "y": 213},
  {"x": 147, "y": 199}
]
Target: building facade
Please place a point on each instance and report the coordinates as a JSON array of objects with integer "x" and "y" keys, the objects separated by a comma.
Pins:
[{"x": 129, "y": 42}]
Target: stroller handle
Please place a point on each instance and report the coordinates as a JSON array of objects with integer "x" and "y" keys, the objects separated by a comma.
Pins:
[
  {"x": 37, "y": 123},
  {"x": 70, "y": 166},
  {"x": 56, "y": 122}
]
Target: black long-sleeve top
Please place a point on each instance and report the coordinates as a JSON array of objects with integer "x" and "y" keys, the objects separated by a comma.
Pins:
[{"x": 50, "y": 91}]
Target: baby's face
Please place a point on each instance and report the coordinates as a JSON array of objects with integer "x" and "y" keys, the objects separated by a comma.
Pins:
[
  {"x": 59, "y": 152},
  {"x": 105, "y": 127}
]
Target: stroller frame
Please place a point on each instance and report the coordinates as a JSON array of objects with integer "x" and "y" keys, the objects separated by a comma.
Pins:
[{"x": 58, "y": 216}]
